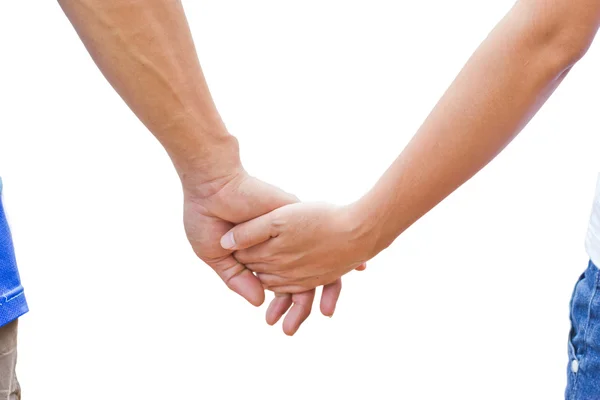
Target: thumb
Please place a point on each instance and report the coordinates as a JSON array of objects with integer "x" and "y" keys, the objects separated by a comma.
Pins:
[{"x": 249, "y": 233}]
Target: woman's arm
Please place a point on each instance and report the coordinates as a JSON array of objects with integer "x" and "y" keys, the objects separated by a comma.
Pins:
[
  {"x": 501, "y": 87},
  {"x": 499, "y": 90}
]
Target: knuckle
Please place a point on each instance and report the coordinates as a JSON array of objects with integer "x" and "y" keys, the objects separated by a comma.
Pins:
[
  {"x": 241, "y": 256},
  {"x": 278, "y": 292},
  {"x": 241, "y": 236},
  {"x": 227, "y": 274},
  {"x": 272, "y": 260},
  {"x": 277, "y": 223},
  {"x": 259, "y": 267}
]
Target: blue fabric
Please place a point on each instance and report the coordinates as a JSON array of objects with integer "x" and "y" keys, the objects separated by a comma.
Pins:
[
  {"x": 583, "y": 371},
  {"x": 12, "y": 297}
]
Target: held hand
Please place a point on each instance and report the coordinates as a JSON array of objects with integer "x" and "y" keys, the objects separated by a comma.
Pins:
[
  {"x": 301, "y": 246},
  {"x": 211, "y": 210}
]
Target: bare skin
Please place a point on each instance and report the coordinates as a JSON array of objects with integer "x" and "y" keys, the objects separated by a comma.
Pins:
[
  {"x": 502, "y": 86},
  {"x": 145, "y": 50}
]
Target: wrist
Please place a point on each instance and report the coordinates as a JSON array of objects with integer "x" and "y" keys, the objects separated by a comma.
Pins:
[
  {"x": 364, "y": 231},
  {"x": 208, "y": 167},
  {"x": 370, "y": 223}
]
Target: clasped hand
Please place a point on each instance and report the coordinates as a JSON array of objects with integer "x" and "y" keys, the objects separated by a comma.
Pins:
[{"x": 287, "y": 248}]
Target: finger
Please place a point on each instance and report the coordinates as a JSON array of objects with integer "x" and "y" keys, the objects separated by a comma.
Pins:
[
  {"x": 241, "y": 280},
  {"x": 329, "y": 297},
  {"x": 299, "y": 311},
  {"x": 279, "y": 305},
  {"x": 361, "y": 267},
  {"x": 255, "y": 254},
  {"x": 278, "y": 284},
  {"x": 259, "y": 267},
  {"x": 270, "y": 280},
  {"x": 259, "y": 198},
  {"x": 293, "y": 289},
  {"x": 249, "y": 233}
]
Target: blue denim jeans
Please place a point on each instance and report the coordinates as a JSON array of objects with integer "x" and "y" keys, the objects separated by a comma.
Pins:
[{"x": 583, "y": 379}]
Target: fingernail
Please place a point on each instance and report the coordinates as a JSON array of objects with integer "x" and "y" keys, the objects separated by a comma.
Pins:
[{"x": 228, "y": 241}]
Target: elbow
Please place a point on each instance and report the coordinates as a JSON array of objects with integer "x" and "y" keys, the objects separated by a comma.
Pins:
[
  {"x": 560, "y": 35},
  {"x": 569, "y": 45},
  {"x": 564, "y": 32},
  {"x": 552, "y": 53}
]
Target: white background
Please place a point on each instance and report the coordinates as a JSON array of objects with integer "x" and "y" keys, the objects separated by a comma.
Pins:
[{"x": 471, "y": 303}]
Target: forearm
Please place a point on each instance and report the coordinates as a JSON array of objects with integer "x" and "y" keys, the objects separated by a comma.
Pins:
[
  {"x": 145, "y": 50},
  {"x": 501, "y": 87}
]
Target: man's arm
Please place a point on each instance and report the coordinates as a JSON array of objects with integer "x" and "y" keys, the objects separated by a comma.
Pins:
[
  {"x": 501, "y": 87},
  {"x": 145, "y": 50}
]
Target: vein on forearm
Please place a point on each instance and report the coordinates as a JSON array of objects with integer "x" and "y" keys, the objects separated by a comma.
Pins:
[{"x": 151, "y": 62}]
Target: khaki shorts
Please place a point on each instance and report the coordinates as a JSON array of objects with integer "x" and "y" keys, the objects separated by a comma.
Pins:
[{"x": 9, "y": 386}]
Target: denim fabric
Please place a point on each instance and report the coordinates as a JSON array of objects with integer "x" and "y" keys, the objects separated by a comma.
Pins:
[
  {"x": 583, "y": 380},
  {"x": 12, "y": 298}
]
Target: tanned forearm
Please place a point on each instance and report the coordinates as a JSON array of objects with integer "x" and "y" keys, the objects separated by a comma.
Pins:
[
  {"x": 145, "y": 50},
  {"x": 502, "y": 86}
]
